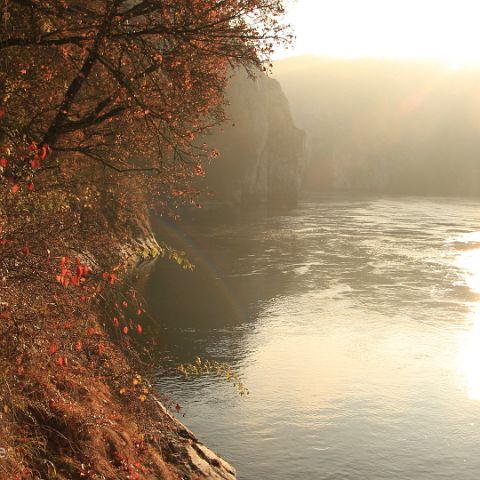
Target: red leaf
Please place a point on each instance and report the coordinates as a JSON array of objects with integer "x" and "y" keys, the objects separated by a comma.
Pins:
[
  {"x": 3, "y": 162},
  {"x": 139, "y": 311},
  {"x": 90, "y": 331},
  {"x": 62, "y": 262},
  {"x": 125, "y": 330},
  {"x": 15, "y": 188},
  {"x": 125, "y": 304},
  {"x": 2, "y": 112},
  {"x": 35, "y": 162},
  {"x": 44, "y": 152},
  {"x": 53, "y": 348},
  {"x": 139, "y": 329},
  {"x": 101, "y": 348},
  {"x": 30, "y": 186}
]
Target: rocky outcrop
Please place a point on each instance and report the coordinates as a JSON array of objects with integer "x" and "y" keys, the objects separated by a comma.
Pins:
[
  {"x": 262, "y": 153},
  {"x": 193, "y": 458}
]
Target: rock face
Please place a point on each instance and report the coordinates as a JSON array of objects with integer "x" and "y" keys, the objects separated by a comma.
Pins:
[
  {"x": 193, "y": 459},
  {"x": 262, "y": 152}
]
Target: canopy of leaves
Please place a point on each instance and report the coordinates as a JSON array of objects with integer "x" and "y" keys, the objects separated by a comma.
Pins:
[{"x": 125, "y": 84}]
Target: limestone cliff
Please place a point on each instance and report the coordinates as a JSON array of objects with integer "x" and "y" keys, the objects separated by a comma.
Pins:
[{"x": 262, "y": 152}]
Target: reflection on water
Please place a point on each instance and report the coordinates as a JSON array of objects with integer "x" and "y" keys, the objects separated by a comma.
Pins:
[
  {"x": 469, "y": 357},
  {"x": 355, "y": 324}
]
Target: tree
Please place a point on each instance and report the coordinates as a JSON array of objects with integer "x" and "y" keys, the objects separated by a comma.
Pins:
[
  {"x": 101, "y": 106},
  {"x": 127, "y": 85}
]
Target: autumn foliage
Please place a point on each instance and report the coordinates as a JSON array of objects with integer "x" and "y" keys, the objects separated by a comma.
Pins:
[
  {"x": 124, "y": 85},
  {"x": 102, "y": 107}
]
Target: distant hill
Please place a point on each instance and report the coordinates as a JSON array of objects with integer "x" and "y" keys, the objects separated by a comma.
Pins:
[{"x": 386, "y": 125}]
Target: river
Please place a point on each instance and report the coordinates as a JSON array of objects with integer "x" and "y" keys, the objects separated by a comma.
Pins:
[{"x": 354, "y": 321}]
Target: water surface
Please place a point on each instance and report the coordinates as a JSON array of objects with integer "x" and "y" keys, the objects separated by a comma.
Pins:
[{"x": 353, "y": 321}]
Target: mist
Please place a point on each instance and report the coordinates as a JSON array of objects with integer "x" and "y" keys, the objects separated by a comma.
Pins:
[{"x": 386, "y": 125}]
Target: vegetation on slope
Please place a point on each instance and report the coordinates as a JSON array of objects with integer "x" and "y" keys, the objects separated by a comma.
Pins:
[{"x": 100, "y": 105}]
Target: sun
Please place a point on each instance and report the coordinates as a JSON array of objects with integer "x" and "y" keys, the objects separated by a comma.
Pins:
[{"x": 429, "y": 30}]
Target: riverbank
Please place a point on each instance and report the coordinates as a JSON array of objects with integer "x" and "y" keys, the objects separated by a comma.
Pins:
[{"x": 74, "y": 400}]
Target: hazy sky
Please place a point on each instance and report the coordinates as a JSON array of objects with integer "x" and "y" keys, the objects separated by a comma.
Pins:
[{"x": 445, "y": 30}]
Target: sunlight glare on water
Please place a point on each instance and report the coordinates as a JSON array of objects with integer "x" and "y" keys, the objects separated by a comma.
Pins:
[{"x": 353, "y": 321}]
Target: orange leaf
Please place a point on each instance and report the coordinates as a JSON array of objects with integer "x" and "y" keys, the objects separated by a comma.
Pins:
[
  {"x": 53, "y": 348},
  {"x": 125, "y": 330}
]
